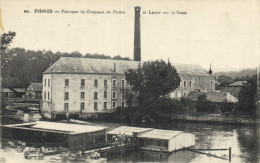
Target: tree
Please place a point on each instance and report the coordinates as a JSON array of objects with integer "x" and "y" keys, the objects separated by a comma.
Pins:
[
  {"x": 247, "y": 97},
  {"x": 224, "y": 80},
  {"x": 150, "y": 82}
]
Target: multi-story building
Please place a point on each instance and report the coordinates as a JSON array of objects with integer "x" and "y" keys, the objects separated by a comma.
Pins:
[
  {"x": 73, "y": 85},
  {"x": 193, "y": 78}
]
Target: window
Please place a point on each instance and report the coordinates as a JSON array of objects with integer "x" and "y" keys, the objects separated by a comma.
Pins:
[
  {"x": 114, "y": 95},
  {"x": 123, "y": 104},
  {"x": 66, "y": 82},
  {"x": 82, "y": 105},
  {"x": 184, "y": 94},
  {"x": 66, "y": 106},
  {"x": 45, "y": 82},
  {"x": 49, "y": 82},
  {"x": 82, "y": 83},
  {"x": 44, "y": 95},
  {"x": 122, "y": 83},
  {"x": 190, "y": 83},
  {"x": 96, "y": 83},
  {"x": 184, "y": 83},
  {"x": 105, "y": 94},
  {"x": 113, "y": 104},
  {"x": 95, "y": 95},
  {"x": 105, "y": 83},
  {"x": 114, "y": 83},
  {"x": 123, "y": 94},
  {"x": 95, "y": 106},
  {"x": 211, "y": 82},
  {"x": 105, "y": 105},
  {"x": 48, "y": 95},
  {"x": 82, "y": 95},
  {"x": 66, "y": 95}
]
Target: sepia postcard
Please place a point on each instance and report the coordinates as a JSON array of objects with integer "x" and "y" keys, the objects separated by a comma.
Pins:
[{"x": 130, "y": 81}]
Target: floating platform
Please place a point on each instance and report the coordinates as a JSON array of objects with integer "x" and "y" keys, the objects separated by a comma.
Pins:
[{"x": 165, "y": 140}]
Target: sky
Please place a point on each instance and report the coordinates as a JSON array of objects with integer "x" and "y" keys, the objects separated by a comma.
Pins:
[{"x": 224, "y": 33}]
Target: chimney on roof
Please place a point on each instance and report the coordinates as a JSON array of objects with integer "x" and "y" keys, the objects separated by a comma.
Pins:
[
  {"x": 137, "y": 37},
  {"x": 210, "y": 71},
  {"x": 114, "y": 67}
]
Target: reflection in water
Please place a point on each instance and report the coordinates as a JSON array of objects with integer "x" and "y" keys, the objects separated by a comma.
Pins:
[{"x": 242, "y": 139}]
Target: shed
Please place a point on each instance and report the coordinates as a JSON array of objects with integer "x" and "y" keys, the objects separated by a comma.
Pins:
[
  {"x": 34, "y": 90},
  {"x": 166, "y": 140},
  {"x": 127, "y": 130},
  {"x": 55, "y": 134},
  {"x": 19, "y": 92}
]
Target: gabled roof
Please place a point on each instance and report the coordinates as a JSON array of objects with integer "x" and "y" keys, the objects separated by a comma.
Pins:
[
  {"x": 213, "y": 96},
  {"x": 58, "y": 127},
  {"x": 159, "y": 134},
  {"x": 128, "y": 130},
  {"x": 19, "y": 90},
  {"x": 238, "y": 84},
  {"x": 36, "y": 86},
  {"x": 106, "y": 66},
  {"x": 6, "y": 90}
]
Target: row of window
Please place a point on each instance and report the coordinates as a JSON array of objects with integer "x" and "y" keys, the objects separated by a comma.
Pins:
[
  {"x": 82, "y": 83},
  {"x": 189, "y": 84},
  {"x": 82, "y": 105},
  {"x": 82, "y": 95}
]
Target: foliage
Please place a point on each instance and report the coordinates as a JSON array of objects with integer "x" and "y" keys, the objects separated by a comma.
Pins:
[
  {"x": 6, "y": 40},
  {"x": 21, "y": 67},
  {"x": 238, "y": 74},
  {"x": 247, "y": 97},
  {"x": 224, "y": 80},
  {"x": 149, "y": 84}
]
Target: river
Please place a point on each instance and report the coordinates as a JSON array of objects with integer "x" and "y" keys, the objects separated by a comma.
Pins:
[{"x": 241, "y": 138}]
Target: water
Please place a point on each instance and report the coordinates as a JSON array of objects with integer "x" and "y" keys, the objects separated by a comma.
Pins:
[{"x": 241, "y": 138}]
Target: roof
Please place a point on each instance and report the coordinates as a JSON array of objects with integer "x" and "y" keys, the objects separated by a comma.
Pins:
[
  {"x": 59, "y": 127},
  {"x": 106, "y": 66},
  {"x": 238, "y": 84},
  {"x": 128, "y": 130},
  {"x": 90, "y": 65},
  {"x": 213, "y": 96},
  {"x": 160, "y": 134},
  {"x": 6, "y": 90},
  {"x": 190, "y": 69},
  {"x": 20, "y": 90},
  {"x": 36, "y": 86}
]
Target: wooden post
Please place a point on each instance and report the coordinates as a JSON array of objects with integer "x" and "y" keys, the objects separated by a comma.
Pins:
[{"x": 229, "y": 154}]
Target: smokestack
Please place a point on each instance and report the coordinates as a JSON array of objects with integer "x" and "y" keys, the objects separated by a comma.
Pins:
[{"x": 137, "y": 37}]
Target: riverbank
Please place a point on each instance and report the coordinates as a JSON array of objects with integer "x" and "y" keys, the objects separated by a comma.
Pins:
[{"x": 210, "y": 118}]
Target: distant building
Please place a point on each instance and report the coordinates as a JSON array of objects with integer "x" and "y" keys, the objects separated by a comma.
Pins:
[
  {"x": 6, "y": 92},
  {"x": 234, "y": 88},
  {"x": 193, "y": 78},
  {"x": 34, "y": 91}
]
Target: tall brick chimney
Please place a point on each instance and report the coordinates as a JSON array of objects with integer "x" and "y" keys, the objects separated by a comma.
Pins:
[{"x": 137, "y": 37}]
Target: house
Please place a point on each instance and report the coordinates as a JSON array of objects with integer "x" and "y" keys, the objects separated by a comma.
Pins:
[
  {"x": 234, "y": 88},
  {"x": 6, "y": 92},
  {"x": 165, "y": 140},
  {"x": 18, "y": 92},
  {"x": 193, "y": 78},
  {"x": 55, "y": 134},
  {"x": 34, "y": 90}
]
